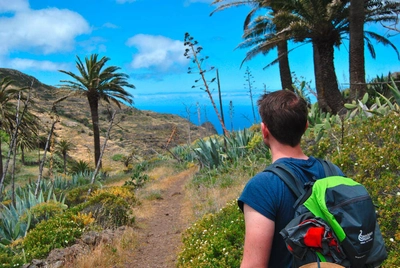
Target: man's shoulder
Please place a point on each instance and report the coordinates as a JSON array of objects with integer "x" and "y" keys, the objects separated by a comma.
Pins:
[{"x": 265, "y": 179}]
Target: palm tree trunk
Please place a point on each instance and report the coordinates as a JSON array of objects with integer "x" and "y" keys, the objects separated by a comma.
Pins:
[
  {"x": 357, "y": 62},
  {"x": 318, "y": 81},
  {"x": 65, "y": 162},
  {"x": 330, "y": 88},
  {"x": 284, "y": 68},
  {"x": 94, "y": 111},
  {"x": 23, "y": 155}
]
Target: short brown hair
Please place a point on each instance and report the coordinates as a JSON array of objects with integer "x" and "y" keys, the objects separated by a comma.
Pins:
[{"x": 285, "y": 114}]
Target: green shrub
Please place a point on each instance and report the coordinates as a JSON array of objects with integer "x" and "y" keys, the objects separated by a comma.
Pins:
[
  {"x": 79, "y": 194},
  {"x": 44, "y": 211},
  {"x": 57, "y": 232},
  {"x": 9, "y": 258},
  {"x": 214, "y": 241},
  {"x": 138, "y": 178},
  {"x": 117, "y": 157},
  {"x": 111, "y": 207}
]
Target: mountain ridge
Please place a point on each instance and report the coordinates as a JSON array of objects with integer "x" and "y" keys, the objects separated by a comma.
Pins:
[{"x": 136, "y": 133}]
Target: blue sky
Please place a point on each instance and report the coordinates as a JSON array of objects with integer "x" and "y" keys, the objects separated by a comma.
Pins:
[{"x": 145, "y": 39}]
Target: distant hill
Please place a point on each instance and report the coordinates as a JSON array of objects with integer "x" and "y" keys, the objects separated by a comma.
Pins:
[{"x": 143, "y": 133}]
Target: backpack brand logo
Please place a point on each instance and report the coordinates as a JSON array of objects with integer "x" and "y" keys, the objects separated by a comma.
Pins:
[{"x": 365, "y": 238}]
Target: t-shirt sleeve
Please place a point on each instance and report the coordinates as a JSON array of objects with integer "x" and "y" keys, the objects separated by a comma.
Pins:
[{"x": 263, "y": 193}]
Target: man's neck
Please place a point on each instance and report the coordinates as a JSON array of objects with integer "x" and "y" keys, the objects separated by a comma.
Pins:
[{"x": 285, "y": 151}]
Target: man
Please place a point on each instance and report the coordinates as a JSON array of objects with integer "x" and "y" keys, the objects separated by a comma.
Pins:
[{"x": 266, "y": 201}]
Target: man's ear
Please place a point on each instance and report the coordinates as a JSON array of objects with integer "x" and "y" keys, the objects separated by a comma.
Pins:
[
  {"x": 306, "y": 125},
  {"x": 264, "y": 130}
]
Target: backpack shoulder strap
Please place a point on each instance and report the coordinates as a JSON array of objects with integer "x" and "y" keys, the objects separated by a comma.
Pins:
[
  {"x": 284, "y": 173},
  {"x": 329, "y": 168}
]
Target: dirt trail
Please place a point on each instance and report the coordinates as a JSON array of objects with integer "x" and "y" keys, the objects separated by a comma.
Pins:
[{"x": 159, "y": 231}]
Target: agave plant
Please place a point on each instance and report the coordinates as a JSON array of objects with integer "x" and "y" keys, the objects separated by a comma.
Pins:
[
  {"x": 15, "y": 219},
  {"x": 184, "y": 153},
  {"x": 238, "y": 144},
  {"x": 12, "y": 226},
  {"x": 210, "y": 153},
  {"x": 395, "y": 91}
]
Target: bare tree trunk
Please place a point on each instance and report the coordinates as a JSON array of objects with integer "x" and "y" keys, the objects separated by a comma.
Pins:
[
  {"x": 220, "y": 99},
  {"x": 207, "y": 90},
  {"x": 14, "y": 138},
  {"x": 13, "y": 173},
  {"x": 98, "y": 166},
  {"x": 1, "y": 162},
  {"x": 14, "y": 146},
  {"x": 188, "y": 113},
  {"x": 44, "y": 156}
]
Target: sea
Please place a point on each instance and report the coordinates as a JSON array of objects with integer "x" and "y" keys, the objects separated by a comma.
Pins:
[{"x": 237, "y": 108}]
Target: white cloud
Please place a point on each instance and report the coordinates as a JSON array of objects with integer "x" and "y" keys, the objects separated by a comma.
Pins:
[
  {"x": 157, "y": 52},
  {"x": 23, "y": 64},
  {"x": 46, "y": 31},
  {"x": 13, "y": 5}
]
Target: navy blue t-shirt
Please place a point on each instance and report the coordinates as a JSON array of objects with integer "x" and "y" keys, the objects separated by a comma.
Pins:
[{"x": 268, "y": 194}]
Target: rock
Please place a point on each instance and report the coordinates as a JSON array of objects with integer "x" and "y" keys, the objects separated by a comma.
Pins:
[{"x": 57, "y": 257}]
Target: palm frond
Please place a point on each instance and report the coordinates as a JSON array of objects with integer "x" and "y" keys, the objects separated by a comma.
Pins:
[{"x": 383, "y": 40}]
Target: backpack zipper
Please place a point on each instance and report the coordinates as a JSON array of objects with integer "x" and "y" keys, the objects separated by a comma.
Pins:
[{"x": 356, "y": 199}]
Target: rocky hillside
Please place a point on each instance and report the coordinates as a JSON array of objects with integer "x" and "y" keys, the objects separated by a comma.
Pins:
[{"x": 136, "y": 132}]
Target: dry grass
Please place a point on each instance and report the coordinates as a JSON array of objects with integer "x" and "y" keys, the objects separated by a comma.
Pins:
[
  {"x": 116, "y": 254},
  {"x": 206, "y": 200}
]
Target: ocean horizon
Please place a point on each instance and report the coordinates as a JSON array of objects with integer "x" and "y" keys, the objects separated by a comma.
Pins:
[
  {"x": 241, "y": 118},
  {"x": 197, "y": 108}
]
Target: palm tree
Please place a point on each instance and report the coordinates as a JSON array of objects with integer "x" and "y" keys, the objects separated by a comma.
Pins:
[
  {"x": 64, "y": 146},
  {"x": 26, "y": 140},
  {"x": 252, "y": 35},
  {"x": 97, "y": 84},
  {"x": 322, "y": 23}
]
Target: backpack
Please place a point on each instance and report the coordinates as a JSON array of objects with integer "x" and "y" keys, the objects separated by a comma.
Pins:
[{"x": 335, "y": 221}]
